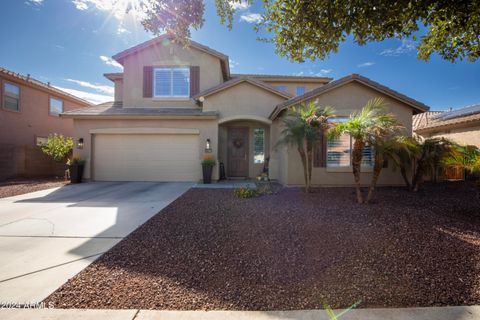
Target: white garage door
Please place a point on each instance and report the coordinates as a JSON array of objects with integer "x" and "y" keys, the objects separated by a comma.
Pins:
[{"x": 146, "y": 157}]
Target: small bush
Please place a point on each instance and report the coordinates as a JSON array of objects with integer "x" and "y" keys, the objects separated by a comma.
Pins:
[
  {"x": 246, "y": 192},
  {"x": 58, "y": 147},
  {"x": 75, "y": 162}
]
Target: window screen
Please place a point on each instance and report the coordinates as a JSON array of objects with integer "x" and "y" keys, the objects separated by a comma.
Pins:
[{"x": 171, "y": 82}]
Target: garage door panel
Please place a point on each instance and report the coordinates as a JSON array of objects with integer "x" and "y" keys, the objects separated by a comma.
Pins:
[{"x": 156, "y": 157}]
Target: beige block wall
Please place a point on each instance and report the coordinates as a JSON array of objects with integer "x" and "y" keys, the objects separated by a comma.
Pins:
[
  {"x": 345, "y": 100},
  {"x": 292, "y": 85},
  {"x": 243, "y": 99},
  {"x": 461, "y": 135},
  {"x": 208, "y": 130},
  {"x": 166, "y": 54}
]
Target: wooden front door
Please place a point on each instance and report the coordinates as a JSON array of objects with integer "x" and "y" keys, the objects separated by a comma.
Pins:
[{"x": 237, "y": 152}]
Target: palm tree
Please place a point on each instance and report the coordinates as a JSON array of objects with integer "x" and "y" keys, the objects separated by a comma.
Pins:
[
  {"x": 372, "y": 121},
  {"x": 304, "y": 125},
  {"x": 428, "y": 158},
  {"x": 392, "y": 148},
  {"x": 464, "y": 157}
]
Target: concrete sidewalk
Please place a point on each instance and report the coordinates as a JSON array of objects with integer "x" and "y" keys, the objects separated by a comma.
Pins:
[{"x": 435, "y": 313}]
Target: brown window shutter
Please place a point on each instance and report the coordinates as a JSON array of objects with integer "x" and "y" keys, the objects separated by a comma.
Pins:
[
  {"x": 320, "y": 152},
  {"x": 147, "y": 81},
  {"x": 194, "y": 80}
]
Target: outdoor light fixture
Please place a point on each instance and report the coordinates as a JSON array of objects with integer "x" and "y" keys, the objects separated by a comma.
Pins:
[
  {"x": 80, "y": 143},
  {"x": 208, "y": 147}
]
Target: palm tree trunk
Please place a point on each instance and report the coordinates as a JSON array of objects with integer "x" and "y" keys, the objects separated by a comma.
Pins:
[
  {"x": 357, "y": 154},
  {"x": 377, "y": 168},
  {"x": 403, "y": 171},
  {"x": 418, "y": 177},
  {"x": 309, "y": 162},
  {"x": 303, "y": 157}
]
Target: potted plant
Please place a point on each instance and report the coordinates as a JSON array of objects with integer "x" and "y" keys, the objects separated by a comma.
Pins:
[
  {"x": 208, "y": 163},
  {"x": 75, "y": 166}
]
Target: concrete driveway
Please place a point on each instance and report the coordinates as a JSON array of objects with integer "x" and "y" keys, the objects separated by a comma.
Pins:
[{"x": 47, "y": 237}]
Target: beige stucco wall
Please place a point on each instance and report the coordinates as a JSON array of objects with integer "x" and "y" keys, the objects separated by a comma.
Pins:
[
  {"x": 208, "y": 130},
  {"x": 292, "y": 85},
  {"x": 118, "y": 90},
  {"x": 345, "y": 100},
  {"x": 464, "y": 135},
  {"x": 166, "y": 54},
  {"x": 242, "y": 99}
]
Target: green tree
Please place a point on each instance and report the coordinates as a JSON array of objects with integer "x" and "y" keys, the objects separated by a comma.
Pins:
[
  {"x": 304, "y": 126},
  {"x": 465, "y": 157},
  {"x": 364, "y": 126},
  {"x": 428, "y": 159},
  {"x": 312, "y": 29},
  {"x": 393, "y": 147},
  {"x": 58, "y": 147}
]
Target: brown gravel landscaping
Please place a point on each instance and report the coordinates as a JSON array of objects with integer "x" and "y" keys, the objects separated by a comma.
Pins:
[
  {"x": 210, "y": 250},
  {"x": 14, "y": 187}
]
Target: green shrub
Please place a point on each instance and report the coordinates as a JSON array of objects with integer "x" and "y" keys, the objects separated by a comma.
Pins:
[
  {"x": 246, "y": 192},
  {"x": 58, "y": 147},
  {"x": 75, "y": 162}
]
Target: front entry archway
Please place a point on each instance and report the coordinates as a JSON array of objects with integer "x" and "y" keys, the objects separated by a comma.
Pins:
[{"x": 237, "y": 151}]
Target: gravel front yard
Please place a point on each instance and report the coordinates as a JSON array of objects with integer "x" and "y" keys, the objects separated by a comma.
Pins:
[
  {"x": 210, "y": 250},
  {"x": 14, "y": 187}
]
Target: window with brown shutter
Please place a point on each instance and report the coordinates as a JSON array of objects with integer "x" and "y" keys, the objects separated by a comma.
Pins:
[
  {"x": 194, "y": 80},
  {"x": 320, "y": 152},
  {"x": 147, "y": 81}
]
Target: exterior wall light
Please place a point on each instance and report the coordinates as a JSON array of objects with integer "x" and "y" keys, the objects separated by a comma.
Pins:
[
  {"x": 80, "y": 143},
  {"x": 208, "y": 147}
]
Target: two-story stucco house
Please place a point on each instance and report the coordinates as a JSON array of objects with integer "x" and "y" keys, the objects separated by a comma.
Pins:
[
  {"x": 171, "y": 101},
  {"x": 29, "y": 113}
]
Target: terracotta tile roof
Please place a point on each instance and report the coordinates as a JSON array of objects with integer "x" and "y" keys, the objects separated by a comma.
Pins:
[
  {"x": 439, "y": 119},
  {"x": 45, "y": 86},
  {"x": 416, "y": 105},
  {"x": 422, "y": 120},
  {"x": 237, "y": 80},
  {"x": 114, "y": 110}
]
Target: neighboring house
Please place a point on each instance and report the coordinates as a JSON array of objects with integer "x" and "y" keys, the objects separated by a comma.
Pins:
[
  {"x": 29, "y": 112},
  {"x": 461, "y": 126},
  {"x": 174, "y": 102}
]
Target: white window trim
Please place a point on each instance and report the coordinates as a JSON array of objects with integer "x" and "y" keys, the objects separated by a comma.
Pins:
[
  {"x": 4, "y": 94},
  {"x": 263, "y": 147},
  {"x": 169, "y": 97},
  {"x": 50, "y": 106},
  {"x": 349, "y": 168}
]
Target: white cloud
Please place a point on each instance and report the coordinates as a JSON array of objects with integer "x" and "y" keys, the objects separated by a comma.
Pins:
[
  {"x": 233, "y": 63},
  {"x": 242, "y": 5},
  {"x": 366, "y": 64},
  {"x": 111, "y": 62},
  {"x": 323, "y": 72},
  {"x": 35, "y": 2},
  {"x": 97, "y": 87},
  {"x": 406, "y": 47},
  {"x": 251, "y": 17},
  {"x": 122, "y": 29},
  {"x": 80, "y": 4},
  {"x": 90, "y": 97}
]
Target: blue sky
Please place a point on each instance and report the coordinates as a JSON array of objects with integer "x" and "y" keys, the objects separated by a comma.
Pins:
[{"x": 69, "y": 43}]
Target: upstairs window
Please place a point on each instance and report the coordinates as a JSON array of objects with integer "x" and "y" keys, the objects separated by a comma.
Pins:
[
  {"x": 258, "y": 145},
  {"x": 281, "y": 88},
  {"x": 171, "y": 82},
  {"x": 11, "y": 97},
  {"x": 300, "y": 90},
  {"x": 56, "y": 106}
]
